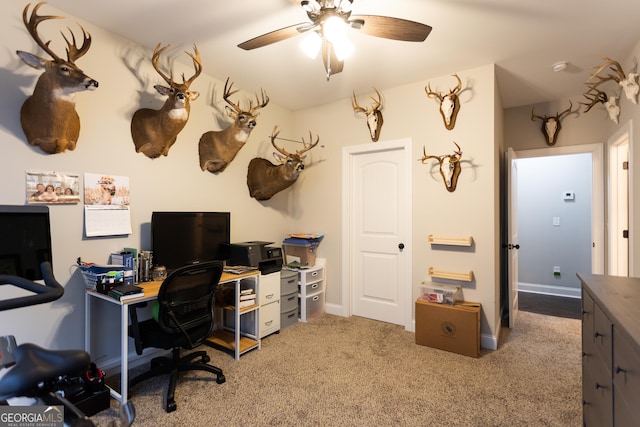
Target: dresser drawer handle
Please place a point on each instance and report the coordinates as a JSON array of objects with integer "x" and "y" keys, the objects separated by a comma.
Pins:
[
  {"x": 599, "y": 386},
  {"x": 315, "y": 273},
  {"x": 269, "y": 296},
  {"x": 268, "y": 323},
  {"x": 315, "y": 285},
  {"x": 597, "y": 335},
  {"x": 316, "y": 298},
  {"x": 619, "y": 369}
]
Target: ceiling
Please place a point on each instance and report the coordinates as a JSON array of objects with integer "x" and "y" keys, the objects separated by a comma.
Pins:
[{"x": 523, "y": 38}]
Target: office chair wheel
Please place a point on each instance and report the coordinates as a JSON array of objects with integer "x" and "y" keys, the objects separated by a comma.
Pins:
[
  {"x": 206, "y": 359},
  {"x": 171, "y": 406},
  {"x": 221, "y": 379}
]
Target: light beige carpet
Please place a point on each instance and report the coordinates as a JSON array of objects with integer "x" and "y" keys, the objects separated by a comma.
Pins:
[{"x": 337, "y": 371}]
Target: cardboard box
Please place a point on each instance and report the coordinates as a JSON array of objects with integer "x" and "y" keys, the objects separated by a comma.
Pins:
[{"x": 454, "y": 328}]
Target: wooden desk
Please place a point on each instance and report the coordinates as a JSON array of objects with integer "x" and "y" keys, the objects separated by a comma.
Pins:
[{"x": 151, "y": 293}]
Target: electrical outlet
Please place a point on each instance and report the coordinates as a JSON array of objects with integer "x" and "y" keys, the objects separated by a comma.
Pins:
[{"x": 556, "y": 271}]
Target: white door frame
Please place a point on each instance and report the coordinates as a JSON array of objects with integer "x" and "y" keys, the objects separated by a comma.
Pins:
[
  {"x": 597, "y": 191},
  {"x": 347, "y": 245},
  {"x": 624, "y": 130}
]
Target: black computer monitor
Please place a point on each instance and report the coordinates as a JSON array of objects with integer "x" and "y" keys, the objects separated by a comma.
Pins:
[
  {"x": 183, "y": 238},
  {"x": 25, "y": 240}
]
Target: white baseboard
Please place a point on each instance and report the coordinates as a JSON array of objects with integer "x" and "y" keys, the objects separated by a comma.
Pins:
[{"x": 559, "y": 291}]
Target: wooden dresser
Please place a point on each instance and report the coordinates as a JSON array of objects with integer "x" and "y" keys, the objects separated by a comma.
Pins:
[{"x": 610, "y": 350}]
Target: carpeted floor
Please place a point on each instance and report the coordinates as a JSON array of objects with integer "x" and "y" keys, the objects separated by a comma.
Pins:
[{"x": 339, "y": 371}]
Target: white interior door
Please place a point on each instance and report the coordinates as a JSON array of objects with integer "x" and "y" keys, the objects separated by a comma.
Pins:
[
  {"x": 377, "y": 210},
  {"x": 512, "y": 232}
]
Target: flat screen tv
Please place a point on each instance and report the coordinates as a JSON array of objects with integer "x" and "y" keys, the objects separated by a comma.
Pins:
[
  {"x": 183, "y": 238},
  {"x": 25, "y": 240}
]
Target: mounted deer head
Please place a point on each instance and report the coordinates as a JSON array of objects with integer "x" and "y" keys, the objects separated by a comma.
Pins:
[
  {"x": 449, "y": 103},
  {"x": 373, "y": 114},
  {"x": 218, "y": 148},
  {"x": 48, "y": 117},
  {"x": 155, "y": 131},
  {"x": 265, "y": 179},
  {"x": 596, "y": 96},
  {"x": 629, "y": 83},
  {"x": 551, "y": 124},
  {"x": 449, "y": 171}
]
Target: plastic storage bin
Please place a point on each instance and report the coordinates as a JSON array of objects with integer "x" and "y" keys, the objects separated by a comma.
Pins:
[{"x": 440, "y": 293}]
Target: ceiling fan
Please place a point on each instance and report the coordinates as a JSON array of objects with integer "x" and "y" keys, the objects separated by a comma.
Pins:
[{"x": 328, "y": 15}]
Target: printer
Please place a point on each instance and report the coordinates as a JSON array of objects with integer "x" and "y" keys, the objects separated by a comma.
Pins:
[{"x": 256, "y": 254}]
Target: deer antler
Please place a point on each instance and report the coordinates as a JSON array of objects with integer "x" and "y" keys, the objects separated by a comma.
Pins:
[
  {"x": 456, "y": 89},
  {"x": 376, "y": 103},
  {"x": 273, "y": 137},
  {"x": 308, "y": 146},
  {"x": 594, "y": 96},
  {"x": 615, "y": 66},
  {"x": 260, "y": 103},
  {"x": 157, "y": 52},
  {"x": 227, "y": 93},
  {"x": 432, "y": 94},
  {"x": 197, "y": 64},
  {"x": 73, "y": 52}
]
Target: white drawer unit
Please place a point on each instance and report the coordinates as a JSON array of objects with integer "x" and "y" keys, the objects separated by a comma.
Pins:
[
  {"x": 269, "y": 303},
  {"x": 311, "y": 286}
]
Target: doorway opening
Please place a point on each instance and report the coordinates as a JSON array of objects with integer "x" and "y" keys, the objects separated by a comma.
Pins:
[{"x": 593, "y": 246}]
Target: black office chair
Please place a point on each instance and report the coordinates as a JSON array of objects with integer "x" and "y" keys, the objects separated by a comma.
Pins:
[{"x": 183, "y": 319}]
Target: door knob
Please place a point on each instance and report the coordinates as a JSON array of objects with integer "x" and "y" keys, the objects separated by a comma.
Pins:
[{"x": 401, "y": 246}]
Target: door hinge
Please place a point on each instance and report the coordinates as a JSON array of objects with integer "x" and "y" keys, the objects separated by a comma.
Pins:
[
  {"x": 625, "y": 166},
  {"x": 625, "y": 234}
]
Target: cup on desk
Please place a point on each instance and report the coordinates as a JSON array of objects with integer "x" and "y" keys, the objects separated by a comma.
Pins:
[{"x": 159, "y": 273}]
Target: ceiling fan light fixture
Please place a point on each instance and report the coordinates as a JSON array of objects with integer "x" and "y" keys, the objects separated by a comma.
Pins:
[
  {"x": 310, "y": 5},
  {"x": 334, "y": 29},
  {"x": 345, "y": 6},
  {"x": 311, "y": 44},
  {"x": 343, "y": 49}
]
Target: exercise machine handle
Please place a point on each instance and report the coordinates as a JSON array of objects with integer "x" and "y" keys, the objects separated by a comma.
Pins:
[{"x": 51, "y": 291}]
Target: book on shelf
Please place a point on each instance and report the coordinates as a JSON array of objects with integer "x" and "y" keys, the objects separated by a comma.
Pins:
[{"x": 248, "y": 296}]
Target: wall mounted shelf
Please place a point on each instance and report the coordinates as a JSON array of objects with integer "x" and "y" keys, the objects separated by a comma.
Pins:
[
  {"x": 451, "y": 241},
  {"x": 441, "y": 274}
]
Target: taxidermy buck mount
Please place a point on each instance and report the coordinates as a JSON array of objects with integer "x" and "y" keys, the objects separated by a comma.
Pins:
[
  {"x": 449, "y": 103},
  {"x": 48, "y": 117},
  {"x": 218, "y": 148},
  {"x": 265, "y": 179},
  {"x": 373, "y": 114},
  {"x": 452, "y": 166},
  {"x": 155, "y": 131},
  {"x": 551, "y": 124}
]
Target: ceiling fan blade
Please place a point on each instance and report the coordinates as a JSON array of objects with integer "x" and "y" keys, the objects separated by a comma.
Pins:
[
  {"x": 274, "y": 36},
  {"x": 332, "y": 64},
  {"x": 392, "y": 28}
]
